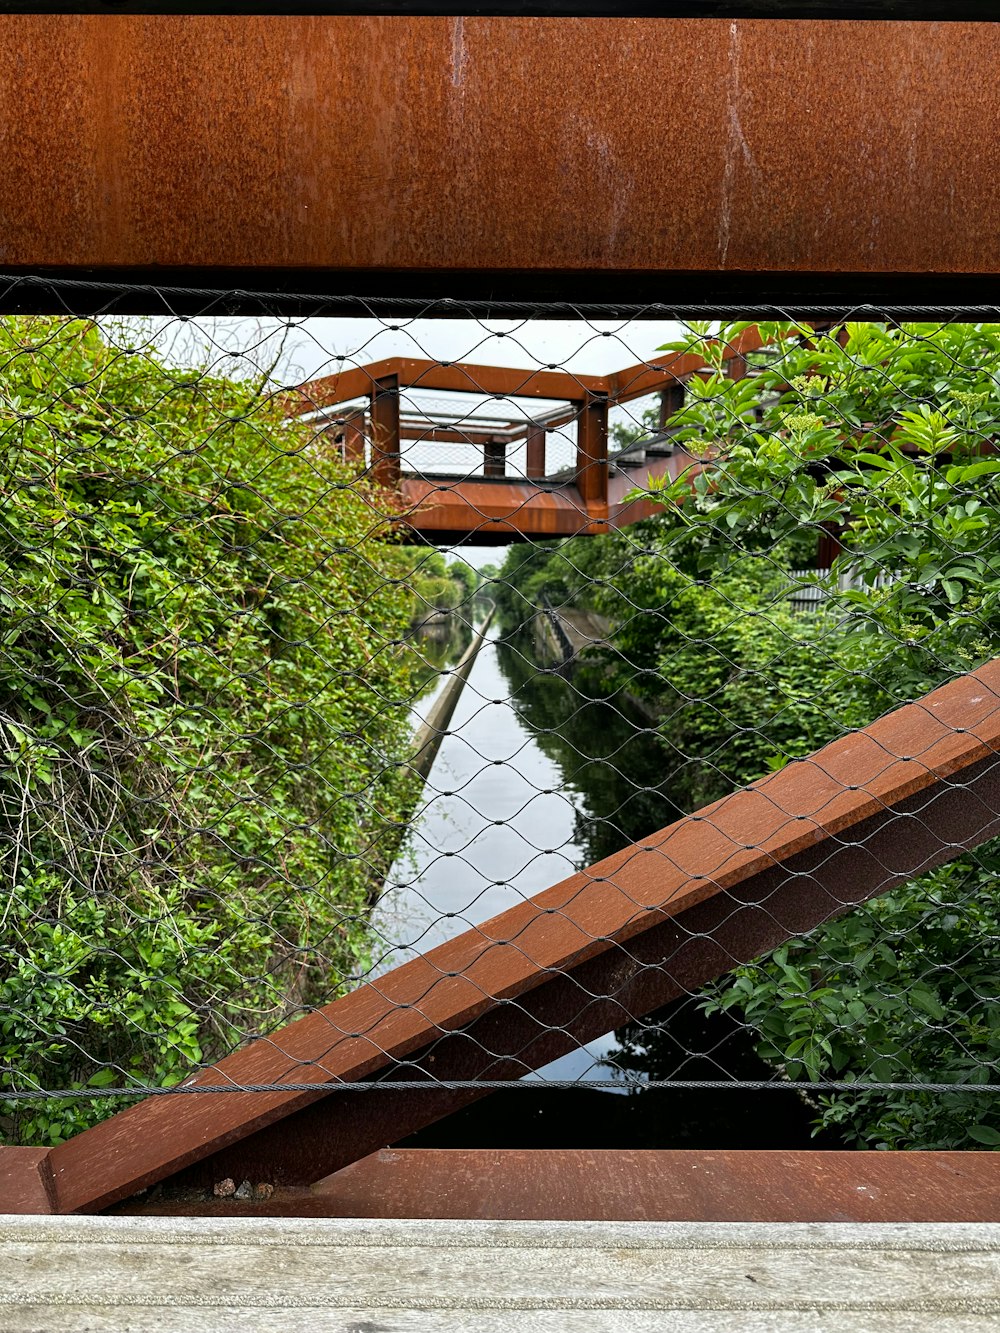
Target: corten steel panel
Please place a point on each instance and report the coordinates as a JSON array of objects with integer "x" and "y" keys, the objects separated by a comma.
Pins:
[
  {"x": 26, "y": 1181},
  {"x": 592, "y": 455},
  {"x": 582, "y": 147},
  {"x": 493, "y": 512},
  {"x": 799, "y": 847},
  {"x": 503, "y": 382},
  {"x": 383, "y": 418},
  {"x": 630, "y": 1185}
]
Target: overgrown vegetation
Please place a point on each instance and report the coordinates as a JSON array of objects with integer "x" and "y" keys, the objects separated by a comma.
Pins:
[
  {"x": 438, "y": 586},
  {"x": 202, "y": 716},
  {"x": 884, "y": 435}
]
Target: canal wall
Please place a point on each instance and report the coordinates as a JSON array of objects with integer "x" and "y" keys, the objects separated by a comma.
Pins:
[
  {"x": 435, "y": 726},
  {"x": 562, "y": 633}
]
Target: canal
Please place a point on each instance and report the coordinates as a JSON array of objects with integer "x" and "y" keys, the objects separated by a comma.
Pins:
[{"x": 535, "y": 780}]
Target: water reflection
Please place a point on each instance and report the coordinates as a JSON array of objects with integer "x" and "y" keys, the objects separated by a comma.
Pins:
[
  {"x": 537, "y": 779},
  {"x": 435, "y": 644},
  {"x": 496, "y": 824},
  {"x": 607, "y": 750}
]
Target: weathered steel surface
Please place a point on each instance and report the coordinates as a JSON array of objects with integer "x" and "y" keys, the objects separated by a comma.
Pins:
[
  {"x": 900, "y": 10},
  {"x": 617, "y": 940},
  {"x": 384, "y": 424},
  {"x": 628, "y": 1185},
  {"x": 451, "y": 377},
  {"x": 491, "y": 512},
  {"x": 450, "y": 510},
  {"x": 25, "y": 1181},
  {"x": 534, "y": 466},
  {"x": 503, "y": 382},
  {"x": 592, "y": 455},
  {"x": 395, "y": 146}
]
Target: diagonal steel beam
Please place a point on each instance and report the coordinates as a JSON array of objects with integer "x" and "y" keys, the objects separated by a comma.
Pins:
[{"x": 614, "y": 941}]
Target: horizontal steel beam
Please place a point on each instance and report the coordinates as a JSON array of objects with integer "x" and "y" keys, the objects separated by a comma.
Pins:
[
  {"x": 494, "y": 512},
  {"x": 631, "y": 1185},
  {"x": 905, "y": 10},
  {"x": 207, "y": 147},
  {"x": 503, "y": 382},
  {"x": 615, "y": 941}
]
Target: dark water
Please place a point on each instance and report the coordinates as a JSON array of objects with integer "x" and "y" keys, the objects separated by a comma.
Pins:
[
  {"x": 436, "y": 645},
  {"x": 537, "y": 779}
]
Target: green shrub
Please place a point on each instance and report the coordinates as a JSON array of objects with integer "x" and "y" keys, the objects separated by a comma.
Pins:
[{"x": 202, "y": 716}]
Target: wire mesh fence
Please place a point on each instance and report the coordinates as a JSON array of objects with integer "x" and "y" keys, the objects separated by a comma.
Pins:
[{"x": 544, "y": 696}]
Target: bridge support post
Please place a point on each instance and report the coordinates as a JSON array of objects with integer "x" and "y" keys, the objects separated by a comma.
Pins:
[
  {"x": 354, "y": 439},
  {"x": 592, "y": 453},
  {"x": 671, "y": 401},
  {"x": 385, "y": 431},
  {"x": 535, "y": 465},
  {"x": 494, "y": 458}
]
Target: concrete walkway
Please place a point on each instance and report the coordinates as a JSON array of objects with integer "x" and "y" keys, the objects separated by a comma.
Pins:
[{"x": 98, "y": 1274}]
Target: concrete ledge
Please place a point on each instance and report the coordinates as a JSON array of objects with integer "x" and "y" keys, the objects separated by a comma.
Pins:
[{"x": 98, "y": 1273}]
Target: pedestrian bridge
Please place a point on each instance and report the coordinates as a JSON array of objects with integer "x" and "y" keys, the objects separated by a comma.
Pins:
[{"x": 372, "y": 415}]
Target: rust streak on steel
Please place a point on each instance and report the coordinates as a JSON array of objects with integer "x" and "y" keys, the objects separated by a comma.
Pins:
[
  {"x": 617, "y": 940},
  {"x": 773, "y": 147},
  {"x": 630, "y": 1185}
]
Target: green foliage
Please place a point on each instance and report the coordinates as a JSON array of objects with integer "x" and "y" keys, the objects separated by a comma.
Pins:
[
  {"x": 576, "y": 570},
  {"x": 202, "y": 713},
  {"x": 883, "y": 439},
  {"x": 888, "y": 441},
  {"x": 624, "y": 433},
  {"x": 900, "y": 991},
  {"x": 437, "y": 585}
]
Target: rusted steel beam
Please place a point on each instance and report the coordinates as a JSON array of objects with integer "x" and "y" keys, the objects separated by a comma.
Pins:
[
  {"x": 535, "y": 461},
  {"x": 426, "y": 434},
  {"x": 494, "y": 457},
  {"x": 354, "y": 439},
  {"x": 447, "y": 509},
  {"x": 505, "y": 381},
  {"x": 630, "y": 1185},
  {"x": 882, "y": 10},
  {"x": 592, "y": 455},
  {"x": 442, "y": 377},
  {"x": 617, "y": 940},
  {"x": 384, "y": 419},
  {"x": 129, "y": 138},
  {"x": 26, "y": 1181}
]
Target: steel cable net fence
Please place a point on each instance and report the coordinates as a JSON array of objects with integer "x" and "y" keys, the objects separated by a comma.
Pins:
[{"x": 381, "y": 693}]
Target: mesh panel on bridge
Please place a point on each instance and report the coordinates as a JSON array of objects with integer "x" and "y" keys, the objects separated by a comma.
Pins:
[{"x": 380, "y": 698}]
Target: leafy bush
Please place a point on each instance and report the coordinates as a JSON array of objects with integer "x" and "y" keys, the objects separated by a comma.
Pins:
[
  {"x": 435, "y": 585},
  {"x": 884, "y": 435},
  {"x": 202, "y": 716}
]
